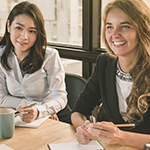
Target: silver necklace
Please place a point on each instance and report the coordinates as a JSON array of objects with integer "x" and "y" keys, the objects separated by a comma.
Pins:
[{"x": 123, "y": 76}]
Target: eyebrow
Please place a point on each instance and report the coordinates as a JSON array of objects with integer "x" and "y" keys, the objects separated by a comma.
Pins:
[
  {"x": 107, "y": 23},
  {"x": 23, "y": 25}
]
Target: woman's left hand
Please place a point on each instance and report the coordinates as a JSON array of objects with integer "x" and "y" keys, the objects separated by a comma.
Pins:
[
  {"x": 54, "y": 117},
  {"x": 28, "y": 114},
  {"x": 107, "y": 133}
]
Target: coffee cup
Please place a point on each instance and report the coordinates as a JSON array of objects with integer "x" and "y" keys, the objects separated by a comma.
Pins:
[{"x": 7, "y": 122}]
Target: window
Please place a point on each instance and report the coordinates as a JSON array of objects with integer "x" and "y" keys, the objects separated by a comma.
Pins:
[
  {"x": 72, "y": 66},
  {"x": 73, "y": 28},
  {"x": 63, "y": 23},
  {"x": 63, "y": 18}
]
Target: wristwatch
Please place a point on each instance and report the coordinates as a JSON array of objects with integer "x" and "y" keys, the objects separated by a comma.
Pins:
[{"x": 147, "y": 146}]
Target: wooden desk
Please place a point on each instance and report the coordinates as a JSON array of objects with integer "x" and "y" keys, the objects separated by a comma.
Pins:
[{"x": 50, "y": 131}]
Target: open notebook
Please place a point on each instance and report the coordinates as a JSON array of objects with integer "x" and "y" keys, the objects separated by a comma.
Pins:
[
  {"x": 35, "y": 124},
  {"x": 93, "y": 145}
]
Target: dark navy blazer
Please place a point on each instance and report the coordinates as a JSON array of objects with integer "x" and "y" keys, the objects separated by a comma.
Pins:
[{"x": 101, "y": 87}]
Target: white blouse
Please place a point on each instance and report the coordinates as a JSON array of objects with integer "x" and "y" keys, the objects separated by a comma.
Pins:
[
  {"x": 123, "y": 90},
  {"x": 46, "y": 86}
]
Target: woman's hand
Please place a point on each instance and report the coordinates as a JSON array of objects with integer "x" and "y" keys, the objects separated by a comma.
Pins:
[
  {"x": 83, "y": 136},
  {"x": 107, "y": 133},
  {"x": 28, "y": 114},
  {"x": 54, "y": 117}
]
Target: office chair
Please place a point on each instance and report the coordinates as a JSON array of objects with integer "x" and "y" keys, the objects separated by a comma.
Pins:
[{"x": 74, "y": 86}]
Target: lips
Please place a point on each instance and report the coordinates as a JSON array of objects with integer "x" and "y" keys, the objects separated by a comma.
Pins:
[
  {"x": 119, "y": 43},
  {"x": 22, "y": 43}
]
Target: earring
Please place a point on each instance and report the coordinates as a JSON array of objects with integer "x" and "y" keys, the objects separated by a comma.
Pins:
[{"x": 8, "y": 30}]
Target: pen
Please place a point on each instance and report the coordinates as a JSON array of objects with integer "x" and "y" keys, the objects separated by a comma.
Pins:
[
  {"x": 119, "y": 125},
  {"x": 122, "y": 125},
  {"x": 92, "y": 119},
  {"x": 26, "y": 107}
]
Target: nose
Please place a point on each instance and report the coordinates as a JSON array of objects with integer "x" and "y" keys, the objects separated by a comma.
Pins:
[
  {"x": 24, "y": 35},
  {"x": 116, "y": 33}
]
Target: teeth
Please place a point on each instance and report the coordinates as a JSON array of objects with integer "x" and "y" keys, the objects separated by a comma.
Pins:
[
  {"x": 119, "y": 43},
  {"x": 21, "y": 42}
]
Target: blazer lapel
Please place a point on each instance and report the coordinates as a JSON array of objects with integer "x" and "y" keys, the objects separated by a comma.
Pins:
[{"x": 112, "y": 98}]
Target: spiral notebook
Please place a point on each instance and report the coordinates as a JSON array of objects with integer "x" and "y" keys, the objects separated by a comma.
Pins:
[{"x": 93, "y": 145}]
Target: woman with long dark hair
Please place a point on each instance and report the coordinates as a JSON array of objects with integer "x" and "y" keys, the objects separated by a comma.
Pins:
[{"x": 30, "y": 71}]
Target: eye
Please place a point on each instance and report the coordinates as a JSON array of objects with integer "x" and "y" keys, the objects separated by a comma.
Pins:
[
  {"x": 125, "y": 26},
  {"x": 18, "y": 28},
  {"x": 32, "y": 31},
  {"x": 109, "y": 27}
]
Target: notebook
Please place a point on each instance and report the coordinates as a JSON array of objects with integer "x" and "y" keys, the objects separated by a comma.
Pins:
[
  {"x": 35, "y": 124},
  {"x": 93, "y": 145}
]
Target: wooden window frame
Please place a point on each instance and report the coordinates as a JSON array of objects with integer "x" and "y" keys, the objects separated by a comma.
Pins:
[{"x": 91, "y": 46}]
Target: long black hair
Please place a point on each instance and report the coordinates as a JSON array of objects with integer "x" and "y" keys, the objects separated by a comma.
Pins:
[{"x": 34, "y": 60}]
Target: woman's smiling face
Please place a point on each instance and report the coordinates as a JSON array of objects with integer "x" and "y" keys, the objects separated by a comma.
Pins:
[
  {"x": 23, "y": 33},
  {"x": 120, "y": 33}
]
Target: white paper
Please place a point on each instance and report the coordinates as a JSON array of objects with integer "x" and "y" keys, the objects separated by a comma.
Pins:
[
  {"x": 35, "y": 124},
  {"x": 93, "y": 145},
  {"x": 4, "y": 147}
]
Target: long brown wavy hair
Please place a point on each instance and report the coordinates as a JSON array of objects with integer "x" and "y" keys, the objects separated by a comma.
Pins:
[
  {"x": 139, "y": 14},
  {"x": 34, "y": 60}
]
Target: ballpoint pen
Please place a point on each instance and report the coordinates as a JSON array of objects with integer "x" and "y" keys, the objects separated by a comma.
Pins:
[
  {"x": 92, "y": 119},
  {"x": 26, "y": 107}
]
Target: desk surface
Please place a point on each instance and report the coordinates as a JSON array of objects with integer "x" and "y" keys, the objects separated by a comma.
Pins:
[{"x": 50, "y": 131}]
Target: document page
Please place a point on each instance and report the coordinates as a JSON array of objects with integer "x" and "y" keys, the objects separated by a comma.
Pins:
[
  {"x": 4, "y": 147},
  {"x": 35, "y": 124},
  {"x": 93, "y": 145}
]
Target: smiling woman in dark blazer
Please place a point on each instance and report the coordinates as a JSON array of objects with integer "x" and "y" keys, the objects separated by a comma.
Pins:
[{"x": 121, "y": 79}]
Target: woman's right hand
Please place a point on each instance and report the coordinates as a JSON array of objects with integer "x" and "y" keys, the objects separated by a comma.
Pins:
[
  {"x": 83, "y": 136},
  {"x": 28, "y": 114}
]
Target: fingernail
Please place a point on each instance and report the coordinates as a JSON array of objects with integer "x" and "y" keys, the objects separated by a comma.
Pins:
[{"x": 89, "y": 130}]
